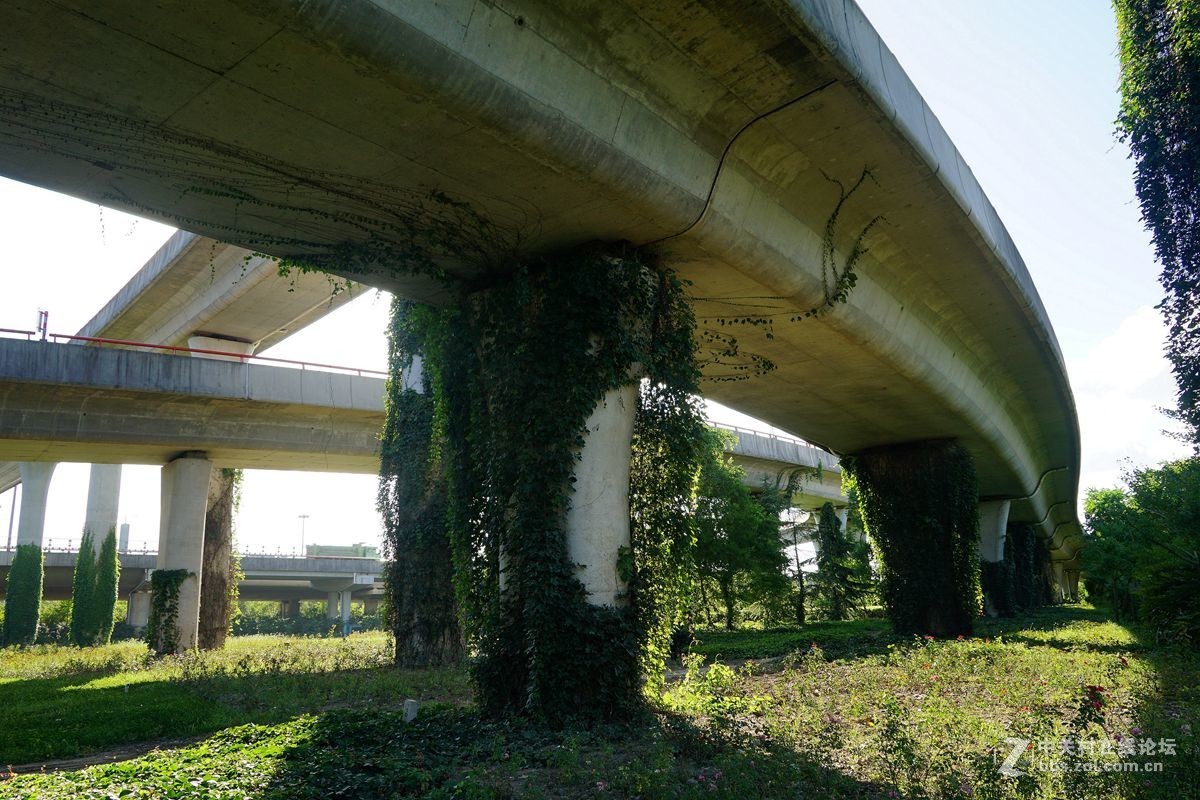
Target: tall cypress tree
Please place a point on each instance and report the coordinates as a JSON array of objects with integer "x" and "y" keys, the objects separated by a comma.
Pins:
[
  {"x": 104, "y": 594},
  {"x": 83, "y": 587},
  {"x": 23, "y": 595}
]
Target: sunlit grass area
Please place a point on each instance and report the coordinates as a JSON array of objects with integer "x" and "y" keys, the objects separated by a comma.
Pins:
[
  {"x": 61, "y": 702},
  {"x": 860, "y": 714}
]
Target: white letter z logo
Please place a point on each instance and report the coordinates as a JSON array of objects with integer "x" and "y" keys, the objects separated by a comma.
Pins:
[{"x": 1009, "y": 767}]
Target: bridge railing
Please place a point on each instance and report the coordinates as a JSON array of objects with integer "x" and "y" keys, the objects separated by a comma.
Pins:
[{"x": 170, "y": 348}]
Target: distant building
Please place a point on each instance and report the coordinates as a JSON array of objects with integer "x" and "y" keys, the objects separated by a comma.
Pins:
[{"x": 359, "y": 550}]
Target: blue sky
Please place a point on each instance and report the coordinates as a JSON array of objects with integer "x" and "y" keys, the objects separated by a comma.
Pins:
[{"x": 1027, "y": 89}]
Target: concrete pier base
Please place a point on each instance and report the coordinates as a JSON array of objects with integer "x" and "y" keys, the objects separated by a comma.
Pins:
[{"x": 181, "y": 535}]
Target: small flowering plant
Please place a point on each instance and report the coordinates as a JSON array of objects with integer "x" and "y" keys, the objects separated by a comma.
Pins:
[{"x": 1091, "y": 706}]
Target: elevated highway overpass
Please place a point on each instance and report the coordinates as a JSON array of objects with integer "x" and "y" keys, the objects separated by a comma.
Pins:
[
  {"x": 704, "y": 133},
  {"x": 124, "y": 406}
]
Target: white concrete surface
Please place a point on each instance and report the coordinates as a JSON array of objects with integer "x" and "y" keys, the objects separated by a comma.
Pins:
[
  {"x": 993, "y": 527},
  {"x": 35, "y": 487},
  {"x": 597, "y": 524},
  {"x": 181, "y": 536},
  {"x": 104, "y": 493}
]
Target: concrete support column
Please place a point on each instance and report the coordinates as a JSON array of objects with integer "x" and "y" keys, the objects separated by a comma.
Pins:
[
  {"x": 843, "y": 516},
  {"x": 1073, "y": 585},
  {"x": 597, "y": 522},
  {"x": 413, "y": 378},
  {"x": 993, "y": 524},
  {"x": 289, "y": 609},
  {"x": 345, "y": 599},
  {"x": 371, "y": 606},
  {"x": 35, "y": 487},
  {"x": 137, "y": 612},
  {"x": 331, "y": 605},
  {"x": 1058, "y": 574},
  {"x": 104, "y": 492},
  {"x": 181, "y": 535}
]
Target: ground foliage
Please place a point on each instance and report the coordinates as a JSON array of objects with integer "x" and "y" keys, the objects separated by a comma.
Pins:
[
  {"x": 862, "y": 714},
  {"x": 1159, "y": 45},
  {"x": 23, "y": 595},
  {"x": 516, "y": 368},
  {"x": 919, "y": 504}
]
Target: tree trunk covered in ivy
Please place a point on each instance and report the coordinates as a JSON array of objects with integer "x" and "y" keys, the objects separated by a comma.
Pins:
[
  {"x": 1159, "y": 44},
  {"x": 919, "y": 503},
  {"x": 218, "y": 585},
  {"x": 422, "y": 611},
  {"x": 516, "y": 369}
]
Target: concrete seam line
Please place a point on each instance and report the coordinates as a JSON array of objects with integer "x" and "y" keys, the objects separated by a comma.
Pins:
[{"x": 725, "y": 154}]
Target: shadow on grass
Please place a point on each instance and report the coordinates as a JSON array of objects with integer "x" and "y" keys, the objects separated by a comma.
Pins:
[
  {"x": 66, "y": 717},
  {"x": 453, "y": 753}
]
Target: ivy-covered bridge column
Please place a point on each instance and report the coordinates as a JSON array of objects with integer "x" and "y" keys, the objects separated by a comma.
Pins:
[
  {"x": 23, "y": 595},
  {"x": 535, "y": 426},
  {"x": 995, "y": 571},
  {"x": 919, "y": 504}
]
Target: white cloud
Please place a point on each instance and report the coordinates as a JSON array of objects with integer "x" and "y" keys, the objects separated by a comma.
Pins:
[{"x": 1120, "y": 384}]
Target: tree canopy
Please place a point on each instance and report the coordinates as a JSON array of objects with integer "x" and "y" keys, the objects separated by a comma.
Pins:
[{"x": 1159, "y": 44}]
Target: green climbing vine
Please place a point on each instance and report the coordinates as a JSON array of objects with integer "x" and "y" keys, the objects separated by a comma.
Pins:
[
  {"x": 162, "y": 629},
  {"x": 422, "y": 610},
  {"x": 919, "y": 504},
  {"x": 515, "y": 370}
]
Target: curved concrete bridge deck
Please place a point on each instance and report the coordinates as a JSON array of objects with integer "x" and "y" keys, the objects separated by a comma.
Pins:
[{"x": 707, "y": 133}]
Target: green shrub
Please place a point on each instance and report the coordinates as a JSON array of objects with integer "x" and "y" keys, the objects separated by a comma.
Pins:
[{"x": 23, "y": 595}]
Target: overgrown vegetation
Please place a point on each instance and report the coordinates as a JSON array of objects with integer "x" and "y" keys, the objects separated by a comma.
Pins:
[
  {"x": 1159, "y": 44},
  {"x": 843, "y": 578},
  {"x": 863, "y": 714},
  {"x": 740, "y": 563},
  {"x": 94, "y": 590},
  {"x": 516, "y": 370},
  {"x": 162, "y": 629},
  {"x": 919, "y": 504},
  {"x": 1143, "y": 548},
  {"x": 221, "y": 568}
]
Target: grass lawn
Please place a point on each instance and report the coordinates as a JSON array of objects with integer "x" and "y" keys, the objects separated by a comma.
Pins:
[{"x": 861, "y": 714}]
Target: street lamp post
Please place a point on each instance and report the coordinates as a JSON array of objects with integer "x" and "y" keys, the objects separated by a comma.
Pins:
[{"x": 303, "y": 517}]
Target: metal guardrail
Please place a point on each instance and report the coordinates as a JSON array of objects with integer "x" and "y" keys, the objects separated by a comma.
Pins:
[
  {"x": 59, "y": 338},
  {"x": 72, "y": 546}
]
